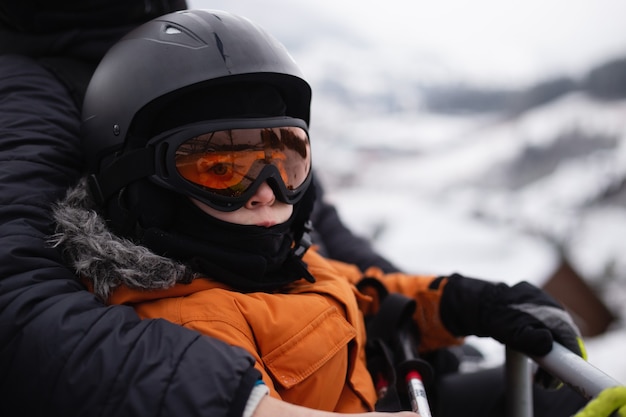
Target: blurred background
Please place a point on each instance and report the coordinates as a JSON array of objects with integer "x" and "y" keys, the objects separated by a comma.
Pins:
[{"x": 483, "y": 137}]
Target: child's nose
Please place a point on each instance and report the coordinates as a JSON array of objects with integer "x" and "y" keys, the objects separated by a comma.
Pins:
[{"x": 263, "y": 196}]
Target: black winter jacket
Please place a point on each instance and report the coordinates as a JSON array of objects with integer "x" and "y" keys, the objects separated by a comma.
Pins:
[
  {"x": 62, "y": 353},
  {"x": 80, "y": 29}
]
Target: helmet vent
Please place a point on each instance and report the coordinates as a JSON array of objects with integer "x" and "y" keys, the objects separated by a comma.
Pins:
[
  {"x": 220, "y": 45},
  {"x": 171, "y": 30}
]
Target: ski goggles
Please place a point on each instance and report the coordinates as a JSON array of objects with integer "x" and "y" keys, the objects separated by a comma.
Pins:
[{"x": 222, "y": 163}]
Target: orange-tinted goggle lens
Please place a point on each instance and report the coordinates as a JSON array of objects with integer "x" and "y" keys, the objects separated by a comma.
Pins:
[{"x": 227, "y": 162}]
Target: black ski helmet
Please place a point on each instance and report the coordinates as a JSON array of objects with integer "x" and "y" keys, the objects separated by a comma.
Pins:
[{"x": 204, "y": 49}]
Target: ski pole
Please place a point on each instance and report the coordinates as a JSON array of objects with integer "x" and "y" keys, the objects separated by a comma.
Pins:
[
  {"x": 393, "y": 326},
  {"x": 417, "y": 394},
  {"x": 413, "y": 369}
]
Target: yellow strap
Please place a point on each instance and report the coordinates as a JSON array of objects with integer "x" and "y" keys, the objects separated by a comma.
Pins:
[{"x": 608, "y": 401}]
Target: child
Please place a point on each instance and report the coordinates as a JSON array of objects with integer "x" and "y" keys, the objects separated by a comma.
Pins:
[{"x": 196, "y": 133}]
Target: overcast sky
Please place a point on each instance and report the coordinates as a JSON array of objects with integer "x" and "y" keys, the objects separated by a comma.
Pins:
[{"x": 489, "y": 39}]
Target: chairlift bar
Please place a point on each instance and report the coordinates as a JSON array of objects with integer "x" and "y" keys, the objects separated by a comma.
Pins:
[
  {"x": 519, "y": 394},
  {"x": 576, "y": 372},
  {"x": 562, "y": 363}
]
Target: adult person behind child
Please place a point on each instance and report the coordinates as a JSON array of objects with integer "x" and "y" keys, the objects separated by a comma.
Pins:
[
  {"x": 54, "y": 336},
  {"x": 141, "y": 109}
]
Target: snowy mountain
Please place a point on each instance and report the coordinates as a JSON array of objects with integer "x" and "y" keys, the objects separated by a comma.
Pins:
[{"x": 547, "y": 175}]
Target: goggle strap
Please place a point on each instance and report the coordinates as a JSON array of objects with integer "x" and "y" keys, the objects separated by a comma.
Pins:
[
  {"x": 122, "y": 171},
  {"x": 305, "y": 241}
]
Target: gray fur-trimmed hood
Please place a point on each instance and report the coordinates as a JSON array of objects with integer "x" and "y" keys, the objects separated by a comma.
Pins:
[{"x": 103, "y": 258}]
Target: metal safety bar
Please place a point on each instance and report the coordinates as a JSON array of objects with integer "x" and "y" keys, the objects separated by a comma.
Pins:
[
  {"x": 562, "y": 363},
  {"x": 519, "y": 381}
]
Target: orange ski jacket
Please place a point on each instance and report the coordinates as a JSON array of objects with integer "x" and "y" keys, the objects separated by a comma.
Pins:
[{"x": 309, "y": 339}]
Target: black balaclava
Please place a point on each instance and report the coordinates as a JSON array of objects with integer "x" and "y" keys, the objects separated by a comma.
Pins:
[{"x": 248, "y": 258}]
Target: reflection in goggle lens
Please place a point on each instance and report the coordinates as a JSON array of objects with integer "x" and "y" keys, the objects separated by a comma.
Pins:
[{"x": 227, "y": 162}]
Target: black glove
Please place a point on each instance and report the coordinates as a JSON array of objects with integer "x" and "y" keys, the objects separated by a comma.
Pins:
[{"x": 523, "y": 317}]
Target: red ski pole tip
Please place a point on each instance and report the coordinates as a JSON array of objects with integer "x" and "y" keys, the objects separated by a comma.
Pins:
[{"x": 413, "y": 375}]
